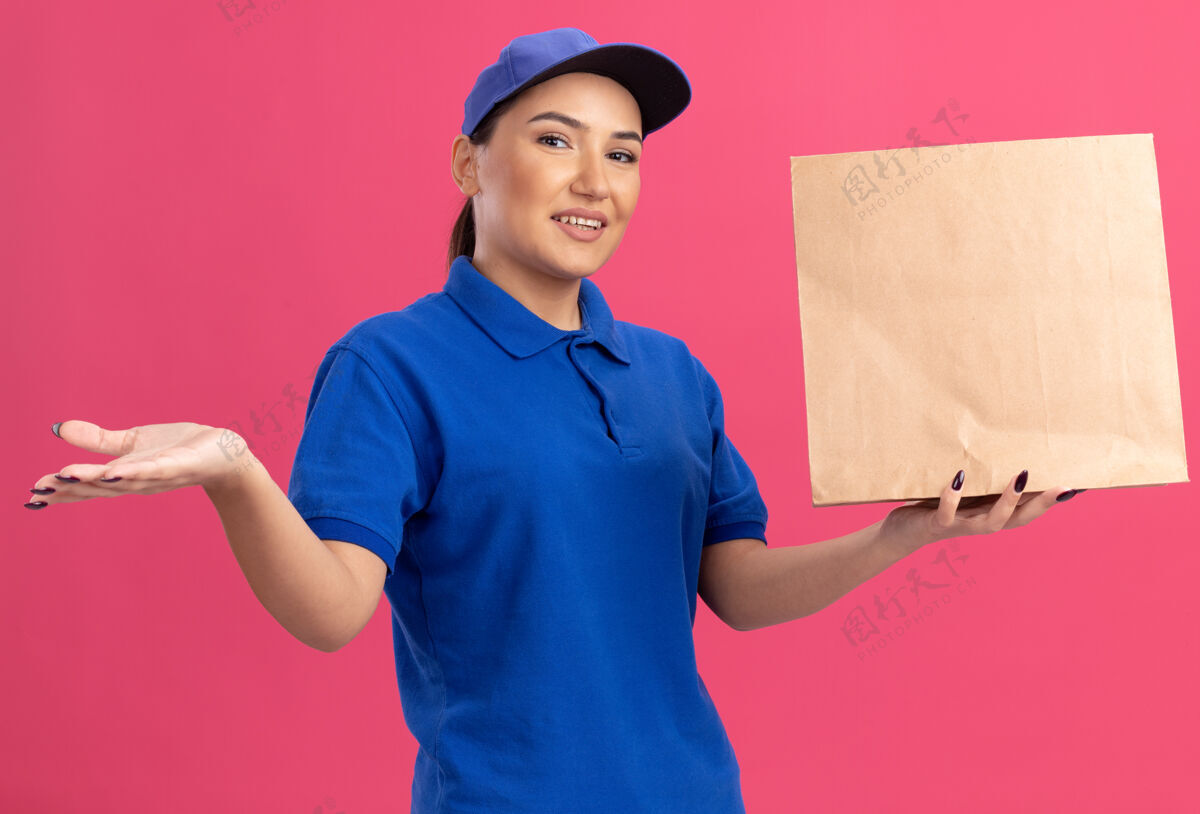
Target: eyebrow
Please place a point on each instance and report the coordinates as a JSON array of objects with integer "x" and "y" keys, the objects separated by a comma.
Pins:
[{"x": 578, "y": 125}]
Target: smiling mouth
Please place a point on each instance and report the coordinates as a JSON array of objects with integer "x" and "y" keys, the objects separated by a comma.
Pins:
[{"x": 587, "y": 224}]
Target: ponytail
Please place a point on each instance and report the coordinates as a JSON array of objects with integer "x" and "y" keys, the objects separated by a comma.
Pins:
[{"x": 462, "y": 236}]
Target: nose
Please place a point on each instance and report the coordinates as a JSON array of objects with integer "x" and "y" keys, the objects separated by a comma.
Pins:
[{"x": 592, "y": 178}]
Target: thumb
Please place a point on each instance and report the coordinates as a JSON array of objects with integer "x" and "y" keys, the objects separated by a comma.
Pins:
[{"x": 92, "y": 437}]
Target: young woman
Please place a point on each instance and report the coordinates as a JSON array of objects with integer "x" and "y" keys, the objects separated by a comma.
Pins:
[{"x": 540, "y": 490}]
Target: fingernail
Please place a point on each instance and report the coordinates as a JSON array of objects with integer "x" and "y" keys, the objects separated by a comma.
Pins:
[
  {"x": 54, "y": 428},
  {"x": 1065, "y": 496},
  {"x": 67, "y": 478},
  {"x": 43, "y": 490},
  {"x": 1021, "y": 479},
  {"x": 958, "y": 480},
  {"x": 111, "y": 480},
  {"x": 37, "y": 504}
]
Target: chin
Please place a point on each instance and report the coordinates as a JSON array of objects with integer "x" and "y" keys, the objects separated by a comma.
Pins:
[
  {"x": 577, "y": 271},
  {"x": 575, "y": 268}
]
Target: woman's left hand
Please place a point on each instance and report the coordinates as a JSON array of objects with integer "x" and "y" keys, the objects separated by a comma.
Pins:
[{"x": 921, "y": 522}]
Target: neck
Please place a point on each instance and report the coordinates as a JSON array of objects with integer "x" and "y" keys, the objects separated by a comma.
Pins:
[{"x": 553, "y": 299}]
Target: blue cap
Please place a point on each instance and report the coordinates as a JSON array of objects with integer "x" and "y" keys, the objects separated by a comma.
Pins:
[{"x": 659, "y": 86}]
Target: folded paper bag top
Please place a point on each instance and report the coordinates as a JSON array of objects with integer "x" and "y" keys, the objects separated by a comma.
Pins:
[{"x": 991, "y": 307}]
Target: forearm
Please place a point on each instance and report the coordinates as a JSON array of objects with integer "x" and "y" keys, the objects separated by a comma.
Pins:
[
  {"x": 775, "y": 585},
  {"x": 295, "y": 575}
]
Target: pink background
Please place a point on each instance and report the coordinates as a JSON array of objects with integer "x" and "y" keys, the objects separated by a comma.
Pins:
[{"x": 195, "y": 208}]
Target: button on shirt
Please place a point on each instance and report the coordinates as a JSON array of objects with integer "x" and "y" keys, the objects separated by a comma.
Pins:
[{"x": 541, "y": 498}]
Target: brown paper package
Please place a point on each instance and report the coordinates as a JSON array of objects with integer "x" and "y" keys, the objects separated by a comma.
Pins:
[{"x": 990, "y": 307}]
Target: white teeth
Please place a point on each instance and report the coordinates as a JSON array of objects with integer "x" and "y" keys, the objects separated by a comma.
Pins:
[{"x": 585, "y": 223}]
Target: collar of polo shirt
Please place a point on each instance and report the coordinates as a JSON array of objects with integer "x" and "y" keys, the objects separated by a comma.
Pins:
[{"x": 518, "y": 330}]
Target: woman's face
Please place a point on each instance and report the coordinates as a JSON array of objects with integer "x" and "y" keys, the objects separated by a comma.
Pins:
[{"x": 569, "y": 145}]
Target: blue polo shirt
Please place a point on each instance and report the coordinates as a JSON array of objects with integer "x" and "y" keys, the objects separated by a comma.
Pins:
[{"x": 540, "y": 498}]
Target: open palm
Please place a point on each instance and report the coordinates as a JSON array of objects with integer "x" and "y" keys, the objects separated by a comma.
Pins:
[
  {"x": 148, "y": 459},
  {"x": 921, "y": 522}
]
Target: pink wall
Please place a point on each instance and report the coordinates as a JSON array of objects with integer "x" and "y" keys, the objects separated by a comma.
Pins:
[{"x": 194, "y": 210}]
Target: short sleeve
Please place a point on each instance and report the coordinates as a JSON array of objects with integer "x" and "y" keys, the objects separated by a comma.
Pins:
[
  {"x": 735, "y": 507},
  {"x": 357, "y": 475}
]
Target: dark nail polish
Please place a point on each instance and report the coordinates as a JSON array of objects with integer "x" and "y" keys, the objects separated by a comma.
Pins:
[
  {"x": 111, "y": 480},
  {"x": 67, "y": 479},
  {"x": 1065, "y": 496},
  {"x": 958, "y": 480},
  {"x": 43, "y": 490},
  {"x": 37, "y": 504},
  {"x": 54, "y": 428},
  {"x": 1022, "y": 479}
]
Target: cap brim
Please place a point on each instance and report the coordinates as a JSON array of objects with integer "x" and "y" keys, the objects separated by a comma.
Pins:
[{"x": 659, "y": 86}]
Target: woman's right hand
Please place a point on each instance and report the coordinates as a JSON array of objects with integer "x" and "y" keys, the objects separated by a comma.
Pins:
[{"x": 151, "y": 458}]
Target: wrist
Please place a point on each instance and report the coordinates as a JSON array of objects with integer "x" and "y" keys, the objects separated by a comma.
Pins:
[
  {"x": 900, "y": 536},
  {"x": 239, "y": 462}
]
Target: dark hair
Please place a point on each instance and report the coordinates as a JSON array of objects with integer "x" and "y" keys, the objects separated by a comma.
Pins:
[{"x": 462, "y": 236}]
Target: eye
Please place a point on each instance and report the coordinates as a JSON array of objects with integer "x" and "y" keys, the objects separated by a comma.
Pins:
[{"x": 623, "y": 156}]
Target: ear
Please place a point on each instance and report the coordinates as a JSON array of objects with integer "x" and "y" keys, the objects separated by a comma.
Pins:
[{"x": 462, "y": 165}]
